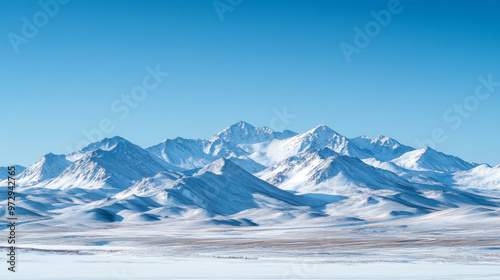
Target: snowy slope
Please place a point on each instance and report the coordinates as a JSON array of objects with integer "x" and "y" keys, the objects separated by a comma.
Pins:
[
  {"x": 98, "y": 171},
  {"x": 369, "y": 193},
  {"x": 105, "y": 144},
  {"x": 269, "y": 153},
  {"x": 189, "y": 154},
  {"x": 117, "y": 166},
  {"x": 418, "y": 177},
  {"x": 185, "y": 153},
  {"x": 482, "y": 178},
  {"x": 382, "y": 148},
  {"x": 221, "y": 187},
  {"x": 428, "y": 159},
  {"x": 328, "y": 172},
  {"x": 248, "y": 164},
  {"x": 48, "y": 167},
  {"x": 113, "y": 163}
]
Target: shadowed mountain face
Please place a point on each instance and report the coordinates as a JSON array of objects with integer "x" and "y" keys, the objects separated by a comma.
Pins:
[
  {"x": 4, "y": 171},
  {"x": 248, "y": 176}
]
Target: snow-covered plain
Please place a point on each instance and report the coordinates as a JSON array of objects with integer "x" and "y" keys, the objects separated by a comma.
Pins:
[
  {"x": 416, "y": 249},
  {"x": 252, "y": 203}
]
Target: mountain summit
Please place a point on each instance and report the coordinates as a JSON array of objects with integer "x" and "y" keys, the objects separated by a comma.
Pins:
[
  {"x": 381, "y": 148},
  {"x": 245, "y": 133},
  {"x": 428, "y": 159}
]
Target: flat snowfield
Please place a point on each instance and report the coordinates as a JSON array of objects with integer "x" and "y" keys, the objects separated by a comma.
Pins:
[
  {"x": 389, "y": 250},
  {"x": 119, "y": 266}
]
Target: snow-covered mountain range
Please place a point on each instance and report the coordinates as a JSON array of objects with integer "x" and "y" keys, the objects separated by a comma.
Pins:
[{"x": 248, "y": 176}]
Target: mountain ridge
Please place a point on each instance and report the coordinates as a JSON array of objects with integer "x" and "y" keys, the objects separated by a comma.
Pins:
[{"x": 249, "y": 176}]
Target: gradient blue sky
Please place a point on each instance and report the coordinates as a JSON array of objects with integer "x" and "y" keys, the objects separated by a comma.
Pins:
[{"x": 264, "y": 55}]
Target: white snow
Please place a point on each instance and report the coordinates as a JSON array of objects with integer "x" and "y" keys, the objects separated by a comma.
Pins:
[
  {"x": 428, "y": 159},
  {"x": 260, "y": 201}
]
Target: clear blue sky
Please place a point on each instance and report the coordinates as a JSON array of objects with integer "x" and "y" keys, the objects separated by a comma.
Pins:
[{"x": 263, "y": 55}]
